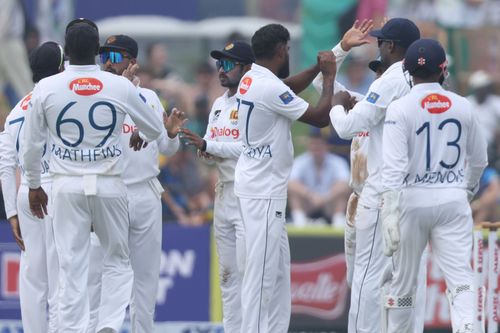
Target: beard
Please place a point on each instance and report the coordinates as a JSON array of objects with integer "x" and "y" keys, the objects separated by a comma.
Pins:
[
  {"x": 284, "y": 70},
  {"x": 226, "y": 82}
]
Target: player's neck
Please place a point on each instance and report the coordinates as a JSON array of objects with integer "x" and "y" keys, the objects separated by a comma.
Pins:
[
  {"x": 82, "y": 62},
  {"x": 269, "y": 64},
  {"x": 232, "y": 91}
]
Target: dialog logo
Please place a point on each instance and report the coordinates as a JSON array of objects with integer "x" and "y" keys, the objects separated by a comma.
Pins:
[
  {"x": 436, "y": 103},
  {"x": 245, "y": 85},
  {"x": 86, "y": 86},
  {"x": 25, "y": 102},
  {"x": 319, "y": 288}
]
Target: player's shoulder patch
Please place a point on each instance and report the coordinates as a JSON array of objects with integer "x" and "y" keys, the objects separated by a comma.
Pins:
[
  {"x": 372, "y": 97},
  {"x": 286, "y": 97}
]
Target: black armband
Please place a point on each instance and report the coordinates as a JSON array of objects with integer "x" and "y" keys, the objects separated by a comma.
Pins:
[{"x": 204, "y": 145}]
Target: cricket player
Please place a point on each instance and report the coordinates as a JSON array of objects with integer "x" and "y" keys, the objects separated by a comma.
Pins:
[
  {"x": 268, "y": 107},
  {"x": 39, "y": 266},
  {"x": 118, "y": 55},
  {"x": 83, "y": 109},
  {"x": 433, "y": 156},
  {"x": 222, "y": 143},
  {"x": 367, "y": 116}
]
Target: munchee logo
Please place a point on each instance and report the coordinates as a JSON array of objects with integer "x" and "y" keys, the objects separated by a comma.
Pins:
[
  {"x": 436, "y": 103},
  {"x": 86, "y": 86}
]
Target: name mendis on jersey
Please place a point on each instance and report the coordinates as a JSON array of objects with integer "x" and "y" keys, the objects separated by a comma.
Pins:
[
  {"x": 86, "y": 155},
  {"x": 437, "y": 177}
]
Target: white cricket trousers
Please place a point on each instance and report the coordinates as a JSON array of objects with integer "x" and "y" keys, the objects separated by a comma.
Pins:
[
  {"x": 230, "y": 243},
  {"x": 443, "y": 218},
  {"x": 370, "y": 263},
  {"x": 77, "y": 203},
  {"x": 145, "y": 236},
  {"x": 39, "y": 268},
  {"x": 265, "y": 295}
]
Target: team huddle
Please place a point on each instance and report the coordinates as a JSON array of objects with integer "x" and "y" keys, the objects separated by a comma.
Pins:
[{"x": 87, "y": 214}]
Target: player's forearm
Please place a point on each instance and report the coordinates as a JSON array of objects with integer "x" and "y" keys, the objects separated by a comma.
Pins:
[
  {"x": 302, "y": 80},
  {"x": 168, "y": 146},
  {"x": 230, "y": 150},
  {"x": 9, "y": 190}
]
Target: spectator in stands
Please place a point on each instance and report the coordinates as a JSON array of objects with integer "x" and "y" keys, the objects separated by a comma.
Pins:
[
  {"x": 158, "y": 62},
  {"x": 485, "y": 206},
  {"x": 319, "y": 184},
  {"x": 186, "y": 198},
  {"x": 357, "y": 77},
  {"x": 486, "y": 103}
]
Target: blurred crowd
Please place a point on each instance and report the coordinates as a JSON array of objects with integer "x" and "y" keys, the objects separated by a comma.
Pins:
[{"x": 319, "y": 184}]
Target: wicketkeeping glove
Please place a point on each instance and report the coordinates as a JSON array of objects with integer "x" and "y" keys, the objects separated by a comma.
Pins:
[{"x": 390, "y": 222}]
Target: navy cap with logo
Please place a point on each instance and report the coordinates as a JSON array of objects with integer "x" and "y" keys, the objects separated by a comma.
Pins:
[
  {"x": 425, "y": 55},
  {"x": 46, "y": 60},
  {"x": 399, "y": 30},
  {"x": 237, "y": 50},
  {"x": 120, "y": 43}
]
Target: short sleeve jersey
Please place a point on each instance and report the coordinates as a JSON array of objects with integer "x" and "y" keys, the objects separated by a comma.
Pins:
[{"x": 266, "y": 109}]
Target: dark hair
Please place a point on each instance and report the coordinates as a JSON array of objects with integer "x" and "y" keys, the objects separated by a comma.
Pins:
[
  {"x": 266, "y": 39},
  {"x": 81, "y": 42}
]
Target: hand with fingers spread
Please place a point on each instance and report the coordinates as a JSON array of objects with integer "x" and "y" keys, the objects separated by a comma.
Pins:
[
  {"x": 136, "y": 142},
  {"x": 174, "y": 122},
  {"x": 38, "y": 202},
  {"x": 16, "y": 231},
  {"x": 357, "y": 35},
  {"x": 130, "y": 72}
]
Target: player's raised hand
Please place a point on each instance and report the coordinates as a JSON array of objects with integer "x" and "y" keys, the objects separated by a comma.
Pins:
[
  {"x": 327, "y": 63},
  {"x": 16, "y": 231},
  {"x": 174, "y": 122},
  {"x": 136, "y": 142},
  {"x": 357, "y": 35},
  {"x": 38, "y": 202},
  {"x": 130, "y": 72}
]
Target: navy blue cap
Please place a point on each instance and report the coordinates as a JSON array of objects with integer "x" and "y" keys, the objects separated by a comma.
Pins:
[
  {"x": 426, "y": 55},
  {"x": 46, "y": 60},
  {"x": 237, "y": 50},
  {"x": 81, "y": 20},
  {"x": 399, "y": 30},
  {"x": 120, "y": 43}
]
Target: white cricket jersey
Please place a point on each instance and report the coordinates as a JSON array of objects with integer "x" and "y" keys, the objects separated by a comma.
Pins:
[
  {"x": 432, "y": 139},
  {"x": 83, "y": 109},
  {"x": 267, "y": 108},
  {"x": 368, "y": 116},
  {"x": 11, "y": 159},
  {"x": 359, "y": 145},
  {"x": 142, "y": 165},
  {"x": 223, "y": 136}
]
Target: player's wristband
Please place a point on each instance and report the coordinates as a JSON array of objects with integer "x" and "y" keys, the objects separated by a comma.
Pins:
[{"x": 204, "y": 146}]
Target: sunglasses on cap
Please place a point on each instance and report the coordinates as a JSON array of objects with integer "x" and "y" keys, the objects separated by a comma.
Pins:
[
  {"x": 226, "y": 65},
  {"x": 113, "y": 56}
]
